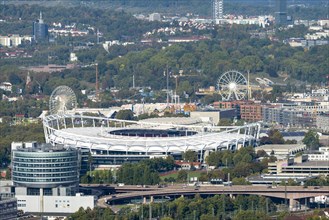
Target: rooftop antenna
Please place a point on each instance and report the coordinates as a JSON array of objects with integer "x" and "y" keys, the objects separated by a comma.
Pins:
[{"x": 40, "y": 19}]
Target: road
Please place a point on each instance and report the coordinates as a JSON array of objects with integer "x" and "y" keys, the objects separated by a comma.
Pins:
[{"x": 289, "y": 192}]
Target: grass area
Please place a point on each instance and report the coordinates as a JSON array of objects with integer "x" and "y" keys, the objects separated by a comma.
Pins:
[{"x": 196, "y": 173}]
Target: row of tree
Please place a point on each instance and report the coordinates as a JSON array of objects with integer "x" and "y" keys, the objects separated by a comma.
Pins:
[
  {"x": 145, "y": 172},
  {"x": 215, "y": 207}
]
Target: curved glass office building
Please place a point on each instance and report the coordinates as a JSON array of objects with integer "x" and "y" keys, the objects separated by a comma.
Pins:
[{"x": 45, "y": 166}]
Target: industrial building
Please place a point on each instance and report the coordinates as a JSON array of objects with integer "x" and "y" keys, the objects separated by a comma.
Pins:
[
  {"x": 299, "y": 166},
  {"x": 281, "y": 150},
  {"x": 214, "y": 116},
  {"x": 306, "y": 116}
]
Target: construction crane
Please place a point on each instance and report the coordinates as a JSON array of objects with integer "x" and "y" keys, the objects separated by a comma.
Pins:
[
  {"x": 179, "y": 76},
  {"x": 96, "y": 76}
]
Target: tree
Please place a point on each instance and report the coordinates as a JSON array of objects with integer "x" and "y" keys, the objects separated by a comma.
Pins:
[
  {"x": 190, "y": 156},
  {"x": 214, "y": 158},
  {"x": 274, "y": 137},
  {"x": 251, "y": 215},
  {"x": 125, "y": 114},
  {"x": 290, "y": 142},
  {"x": 225, "y": 122},
  {"x": 311, "y": 140},
  {"x": 240, "y": 181},
  {"x": 261, "y": 153},
  {"x": 182, "y": 176}
]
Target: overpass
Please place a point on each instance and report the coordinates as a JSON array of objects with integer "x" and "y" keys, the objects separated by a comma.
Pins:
[{"x": 291, "y": 193}]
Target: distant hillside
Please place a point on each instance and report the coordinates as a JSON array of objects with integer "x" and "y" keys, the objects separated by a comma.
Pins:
[{"x": 305, "y": 9}]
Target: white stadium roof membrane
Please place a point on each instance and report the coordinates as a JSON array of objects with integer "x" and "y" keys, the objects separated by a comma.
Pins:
[{"x": 68, "y": 129}]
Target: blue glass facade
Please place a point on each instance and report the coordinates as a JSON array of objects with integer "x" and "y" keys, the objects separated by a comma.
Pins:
[{"x": 40, "y": 31}]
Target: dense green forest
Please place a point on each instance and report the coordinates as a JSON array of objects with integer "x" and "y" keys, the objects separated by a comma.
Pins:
[
  {"x": 17, "y": 133},
  {"x": 299, "y": 9},
  {"x": 206, "y": 61}
]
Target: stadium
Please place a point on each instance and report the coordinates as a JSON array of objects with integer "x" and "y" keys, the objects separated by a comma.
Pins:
[{"x": 112, "y": 142}]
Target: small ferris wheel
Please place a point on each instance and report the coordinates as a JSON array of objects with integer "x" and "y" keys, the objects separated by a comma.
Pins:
[{"x": 232, "y": 85}]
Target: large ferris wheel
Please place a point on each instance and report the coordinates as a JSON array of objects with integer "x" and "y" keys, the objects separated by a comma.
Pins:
[
  {"x": 232, "y": 85},
  {"x": 62, "y": 99}
]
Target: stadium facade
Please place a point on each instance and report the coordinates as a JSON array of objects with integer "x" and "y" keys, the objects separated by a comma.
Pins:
[{"x": 112, "y": 142}]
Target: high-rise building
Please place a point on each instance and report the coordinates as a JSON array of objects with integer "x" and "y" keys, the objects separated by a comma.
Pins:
[
  {"x": 217, "y": 9},
  {"x": 40, "y": 30},
  {"x": 281, "y": 12},
  {"x": 46, "y": 179}
]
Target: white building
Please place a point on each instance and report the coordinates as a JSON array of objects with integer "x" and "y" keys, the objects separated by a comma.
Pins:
[
  {"x": 155, "y": 17},
  {"x": 7, "y": 86},
  {"x": 13, "y": 40},
  {"x": 5, "y": 41},
  {"x": 261, "y": 21},
  {"x": 73, "y": 57},
  {"x": 324, "y": 22},
  {"x": 322, "y": 154},
  {"x": 322, "y": 122},
  {"x": 59, "y": 205},
  {"x": 281, "y": 150}
]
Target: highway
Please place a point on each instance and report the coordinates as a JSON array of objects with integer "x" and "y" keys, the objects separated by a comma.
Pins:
[{"x": 289, "y": 192}]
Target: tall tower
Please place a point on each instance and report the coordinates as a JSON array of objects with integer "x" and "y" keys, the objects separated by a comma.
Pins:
[
  {"x": 217, "y": 9},
  {"x": 40, "y": 30},
  {"x": 281, "y": 12}
]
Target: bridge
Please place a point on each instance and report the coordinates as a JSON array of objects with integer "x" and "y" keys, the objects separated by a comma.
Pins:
[{"x": 291, "y": 193}]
